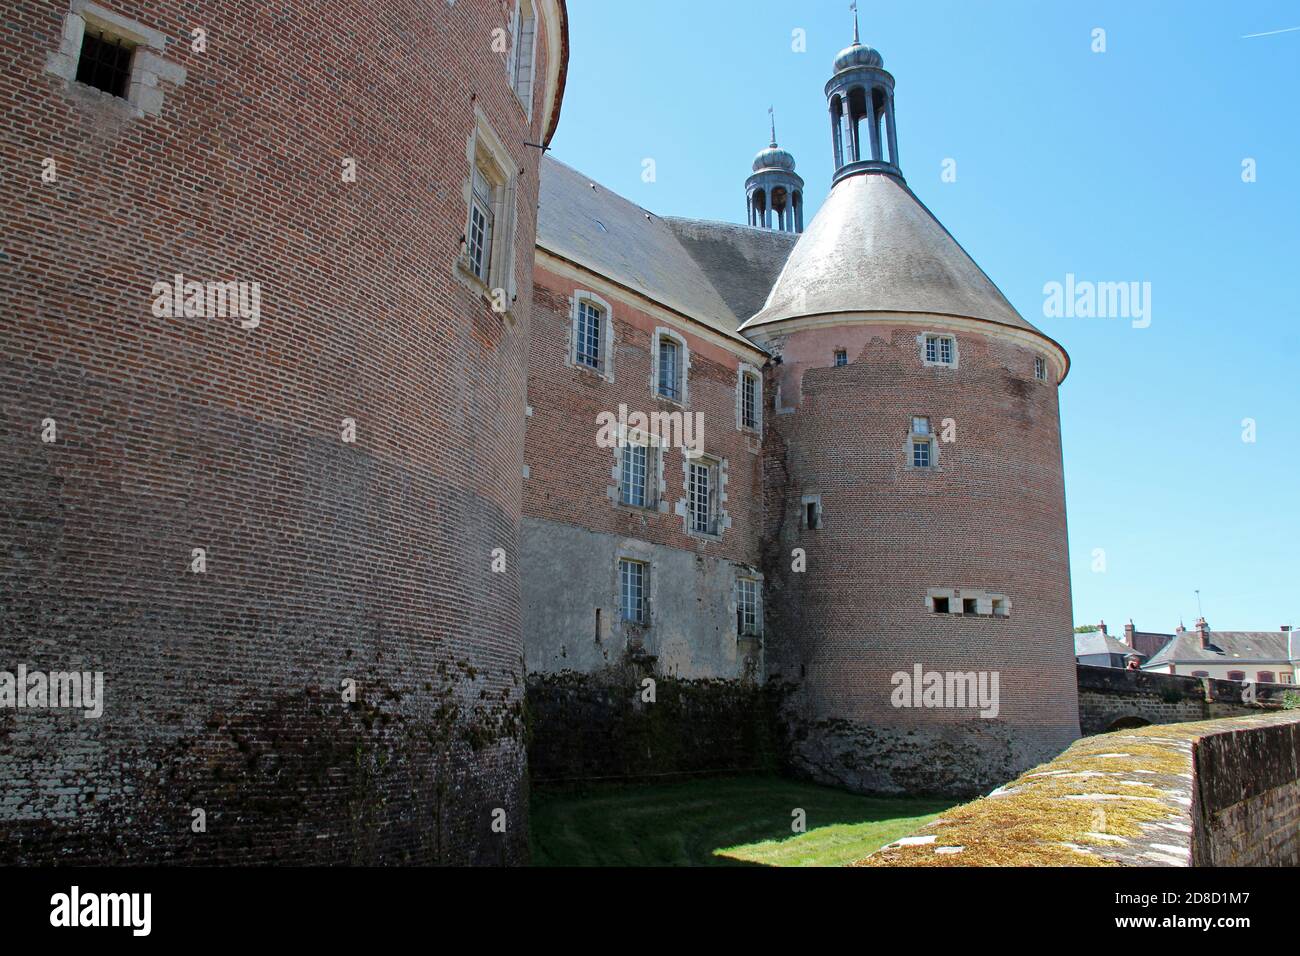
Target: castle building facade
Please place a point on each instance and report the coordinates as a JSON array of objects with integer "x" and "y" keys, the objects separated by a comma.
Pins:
[
  {"x": 874, "y": 500},
  {"x": 266, "y": 292}
]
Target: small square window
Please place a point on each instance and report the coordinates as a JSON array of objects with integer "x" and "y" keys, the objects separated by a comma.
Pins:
[
  {"x": 940, "y": 350},
  {"x": 1040, "y": 369},
  {"x": 969, "y": 606},
  {"x": 920, "y": 454},
  {"x": 105, "y": 63},
  {"x": 941, "y": 605},
  {"x": 920, "y": 426},
  {"x": 841, "y": 358},
  {"x": 999, "y": 607}
]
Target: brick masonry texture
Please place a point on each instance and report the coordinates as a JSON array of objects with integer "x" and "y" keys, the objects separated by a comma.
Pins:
[
  {"x": 325, "y": 560},
  {"x": 991, "y": 516},
  {"x": 1112, "y": 698}
]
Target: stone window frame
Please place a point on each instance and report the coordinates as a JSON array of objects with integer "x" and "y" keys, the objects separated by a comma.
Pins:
[
  {"x": 924, "y": 338},
  {"x": 837, "y": 355},
  {"x": 987, "y": 602},
  {"x": 523, "y": 30},
  {"x": 914, "y": 438},
  {"x": 606, "y": 370},
  {"x": 717, "y": 494},
  {"x": 656, "y": 486},
  {"x": 642, "y": 553},
  {"x": 148, "y": 68},
  {"x": 814, "y": 499},
  {"x": 743, "y": 370},
  {"x": 486, "y": 153},
  {"x": 746, "y": 575},
  {"x": 683, "y": 366},
  {"x": 643, "y": 591}
]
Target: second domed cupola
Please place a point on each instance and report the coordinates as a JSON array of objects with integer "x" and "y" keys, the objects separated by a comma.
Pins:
[{"x": 774, "y": 193}]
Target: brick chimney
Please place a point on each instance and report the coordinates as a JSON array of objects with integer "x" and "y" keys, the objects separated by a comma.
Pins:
[
  {"x": 1102, "y": 627},
  {"x": 1128, "y": 633},
  {"x": 1203, "y": 631}
]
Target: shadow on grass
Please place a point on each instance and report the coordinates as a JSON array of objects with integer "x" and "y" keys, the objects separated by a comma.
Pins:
[{"x": 735, "y": 821}]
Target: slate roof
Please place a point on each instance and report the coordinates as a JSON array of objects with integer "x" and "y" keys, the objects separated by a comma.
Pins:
[
  {"x": 586, "y": 223},
  {"x": 742, "y": 262},
  {"x": 1226, "y": 647},
  {"x": 1095, "y": 642},
  {"x": 874, "y": 247}
]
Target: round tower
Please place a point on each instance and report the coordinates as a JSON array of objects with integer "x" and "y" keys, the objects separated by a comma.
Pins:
[
  {"x": 774, "y": 193},
  {"x": 919, "y": 585},
  {"x": 264, "y": 382}
]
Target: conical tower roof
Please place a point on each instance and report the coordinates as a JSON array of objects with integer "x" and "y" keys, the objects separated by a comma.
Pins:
[{"x": 874, "y": 247}]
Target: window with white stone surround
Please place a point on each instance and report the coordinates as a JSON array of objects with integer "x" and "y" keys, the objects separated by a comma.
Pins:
[
  {"x": 591, "y": 335},
  {"x": 523, "y": 52},
  {"x": 967, "y": 602},
  {"x": 938, "y": 350},
  {"x": 749, "y": 398},
  {"x": 488, "y": 250},
  {"x": 119, "y": 58},
  {"x": 704, "y": 506},
  {"x": 670, "y": 363}
]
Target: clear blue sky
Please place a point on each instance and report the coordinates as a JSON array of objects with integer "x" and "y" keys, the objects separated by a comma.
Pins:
[{"x": 1116, "y": 166}]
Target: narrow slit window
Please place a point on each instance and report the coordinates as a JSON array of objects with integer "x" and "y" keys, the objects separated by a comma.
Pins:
[
  {"x": 588, "y": 334},
  {"x": 669, "y": 363},
  {"x": 632, "y": 581},
  {"x": 749, "y": 401},
  {"x": 481, "y": 223},
  {"x": 105, "y": 63},
  {"x": 747, "y": 616},
  {"x": 700, "y": 498}
]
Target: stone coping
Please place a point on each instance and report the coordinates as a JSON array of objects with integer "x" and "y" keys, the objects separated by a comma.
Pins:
[{"x": 1119, "y": 799}]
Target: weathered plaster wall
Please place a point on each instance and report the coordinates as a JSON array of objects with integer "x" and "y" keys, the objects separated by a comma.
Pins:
[{"x": 692, "y": 604}]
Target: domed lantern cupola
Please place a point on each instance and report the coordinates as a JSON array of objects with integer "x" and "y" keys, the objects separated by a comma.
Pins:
[
  {"x": 861, "y": 99},
  {"x": 774, "y": 193}
]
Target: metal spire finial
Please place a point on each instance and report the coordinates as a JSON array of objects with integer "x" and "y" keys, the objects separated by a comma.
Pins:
[
  {"x": 854, "y": 7},
  {"x": 771, "y": 111}
]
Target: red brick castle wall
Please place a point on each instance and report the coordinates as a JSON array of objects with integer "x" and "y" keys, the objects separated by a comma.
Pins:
[{"x": 327, "y": 560}]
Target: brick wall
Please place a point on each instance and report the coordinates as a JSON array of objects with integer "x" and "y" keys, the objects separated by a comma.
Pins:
[
  {"x": 326, "y": 560},
  {"x": 1111, "y": 698},
  {"x": 572, "y": 514},
  {"x": 992, "y": 516}
]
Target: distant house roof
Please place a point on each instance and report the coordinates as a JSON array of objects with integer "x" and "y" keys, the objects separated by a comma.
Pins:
[
  {"x": 582, "y": 221},
  {"x": 1226, "y": 647},
  {"x": 1095, "y": 642}
]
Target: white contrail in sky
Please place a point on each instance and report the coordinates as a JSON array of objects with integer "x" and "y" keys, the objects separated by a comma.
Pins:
[{"x": 1270, "y": 33}]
